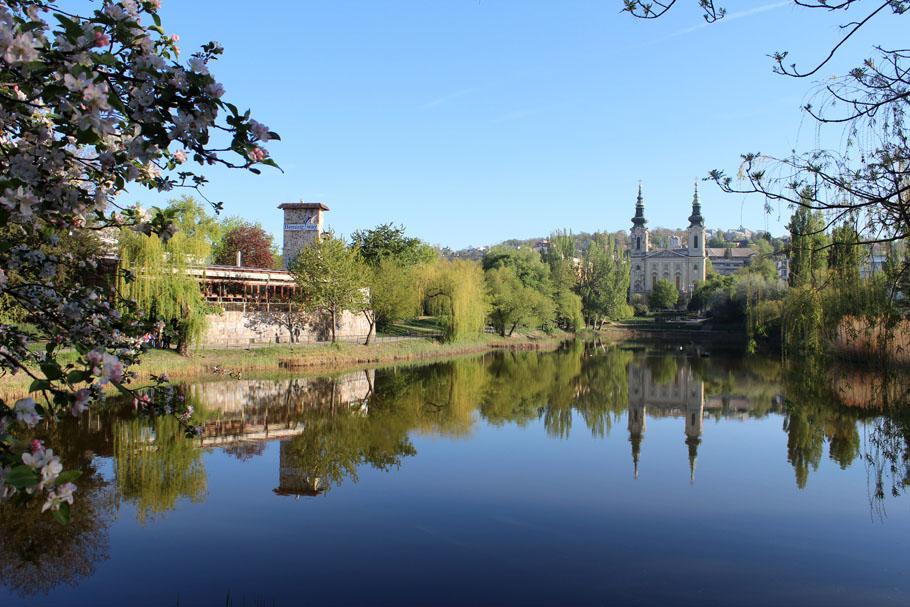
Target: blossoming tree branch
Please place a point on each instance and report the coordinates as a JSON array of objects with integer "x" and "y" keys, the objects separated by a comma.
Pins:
[{"x": 91, "y": 105}]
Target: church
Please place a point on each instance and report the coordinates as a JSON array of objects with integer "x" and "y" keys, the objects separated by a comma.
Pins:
[{"x": 683, "y": 267}]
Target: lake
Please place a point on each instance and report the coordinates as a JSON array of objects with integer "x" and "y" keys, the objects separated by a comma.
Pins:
[{"x": 594, "y": 475}]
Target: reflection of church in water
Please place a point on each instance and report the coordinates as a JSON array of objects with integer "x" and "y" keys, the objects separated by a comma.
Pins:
[{"x": 682, "y": 396}]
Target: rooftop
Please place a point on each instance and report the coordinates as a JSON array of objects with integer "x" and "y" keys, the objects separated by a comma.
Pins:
[{"x": 303, "y": 205}]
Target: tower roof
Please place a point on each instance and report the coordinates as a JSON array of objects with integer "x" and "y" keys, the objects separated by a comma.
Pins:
[
  {"x": 639, "y": 219},
  {"x": 303, "y": 205},
  {"x": 695, "y": 219}
]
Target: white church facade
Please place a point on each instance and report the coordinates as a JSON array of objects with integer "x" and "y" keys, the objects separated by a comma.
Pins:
[{"x": 683, "y": 266}]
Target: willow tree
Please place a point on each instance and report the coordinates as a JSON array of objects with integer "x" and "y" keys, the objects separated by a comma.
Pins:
[
  {"x": 154, "y": 275},
  {"x": 455, "y": 293}
]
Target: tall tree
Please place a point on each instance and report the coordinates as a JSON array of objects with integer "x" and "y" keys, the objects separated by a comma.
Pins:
[
  {"x": 844, "y": 254},
  {"x": 604, "y": 281},
  {"x": 153, "y": 273},
  {"x": 330, "y": 278},
  {"x": 393, "y": 294},
  {"x": 252, "y": 242},
  {"x": 562, "y": 261},
  {"x": 513, "y": 304},
  {"x": 807, "y": 246},
  {"x": 664, "y": 295},
  {"x": 455, "y": 292}
]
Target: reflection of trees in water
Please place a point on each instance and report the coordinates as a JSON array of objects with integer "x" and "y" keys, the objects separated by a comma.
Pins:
[
  {"x": 38, "y": 554},
  {"x": 823, "y": 407},
  {"x": 155, "y": 465},
  {"x": 246, "y": 450},
  {"x": 335, "y": 443}
]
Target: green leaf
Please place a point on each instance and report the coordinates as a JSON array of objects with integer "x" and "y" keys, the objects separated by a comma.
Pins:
[
  {"x": 38, "y": 385},
  {"x": 62, "y": 514},
  {"x": 21, "y": 477},
  {"x": 68, "y": 476},
  {"x": 51, "y": 370},
  {"x": 75, "y": 377}
]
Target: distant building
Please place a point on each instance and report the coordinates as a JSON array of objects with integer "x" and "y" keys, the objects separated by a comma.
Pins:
[
  {"x": 682, "y": 266},
  {"x": 872, "y": 265},
  {"x": 726, "y": 261}
]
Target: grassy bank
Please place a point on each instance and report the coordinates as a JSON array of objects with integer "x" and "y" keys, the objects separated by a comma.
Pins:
[{"x": 314, "y": 358}]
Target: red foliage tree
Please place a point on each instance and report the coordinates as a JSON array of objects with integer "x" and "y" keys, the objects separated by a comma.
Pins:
[{"x": 254, "y": 244}]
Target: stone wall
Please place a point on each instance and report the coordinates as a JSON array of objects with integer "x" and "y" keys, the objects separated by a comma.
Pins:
[{"x": 253, "y": 325}]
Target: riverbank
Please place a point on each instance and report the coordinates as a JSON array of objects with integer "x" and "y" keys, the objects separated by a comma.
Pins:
[
  {"x": 651, "y": 329},
  {"x": 322, "y": 357}
]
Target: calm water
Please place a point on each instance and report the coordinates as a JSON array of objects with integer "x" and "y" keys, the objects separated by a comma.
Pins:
[{"x": 590, "y": 476}]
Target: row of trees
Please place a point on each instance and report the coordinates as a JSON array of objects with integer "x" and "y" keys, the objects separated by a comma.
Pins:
[{"x": 388, "y": 276}]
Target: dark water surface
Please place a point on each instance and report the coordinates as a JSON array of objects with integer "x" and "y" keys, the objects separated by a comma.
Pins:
[{"x": 590, "y": 476}]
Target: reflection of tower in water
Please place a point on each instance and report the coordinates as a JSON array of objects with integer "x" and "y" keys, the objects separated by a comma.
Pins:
[
  {"x": 669, "y": 388},
  {"x": 293, "y": 480}
]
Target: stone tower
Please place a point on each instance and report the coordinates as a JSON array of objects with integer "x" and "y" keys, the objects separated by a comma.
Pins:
[
  {"x": 696, "y": 245},
  {"x": 302, "y": 226}
]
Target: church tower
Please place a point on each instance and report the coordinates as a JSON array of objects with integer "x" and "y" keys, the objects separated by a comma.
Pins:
[
  {"x": 696, "y": 245},
  {"x": 640, "y": 237},
  {"x": 695, "y": 411}
]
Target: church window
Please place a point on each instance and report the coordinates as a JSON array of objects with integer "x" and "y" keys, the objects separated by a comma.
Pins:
[
  {"x": 638, "y": 243},
  {"x": 677, "y": 282},
  {"x": 695, "y": 246}
]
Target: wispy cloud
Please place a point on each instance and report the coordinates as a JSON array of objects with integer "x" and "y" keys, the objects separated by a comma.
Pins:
[
  {"x": 757, "y": 10},
  {"x": 446, "y": 98},
  {"x": 517, "y": 115}
]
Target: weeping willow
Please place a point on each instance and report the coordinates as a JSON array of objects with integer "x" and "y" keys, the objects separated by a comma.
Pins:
[
  {"x": 455, "y": 292},
  {"x": 155, "y": 465},
  {"x": 159, "y": 283}
]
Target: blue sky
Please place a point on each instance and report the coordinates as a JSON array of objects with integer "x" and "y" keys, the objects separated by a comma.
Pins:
[{"x": 474, "y": 121}]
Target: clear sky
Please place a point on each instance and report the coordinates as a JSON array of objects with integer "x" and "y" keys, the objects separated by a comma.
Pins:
[{"x": 475, "y": 121}]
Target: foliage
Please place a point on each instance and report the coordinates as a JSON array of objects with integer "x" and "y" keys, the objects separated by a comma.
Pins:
[
  {"x": 664, "y": 295},
  {"x": 562, "y": 261},
  {"x": 807, "y": 244},
  {"x": 394, "y": 292},
  {"x": 526, "y": 264},
  {"x": 253, "y": 243},
  {"x": 844, "y": 255},
  {"x": 153, "y": 273},
  {"x": 155, "y": 465},
  {"x": 604, "y": 282},
  {"x": 92, "y": 105},
  {"x": 455, "y": 291},
  {"x": 513, "y": 304},
  {"x": 330, "y": 278},
  {"x": 387, "y": 241}
]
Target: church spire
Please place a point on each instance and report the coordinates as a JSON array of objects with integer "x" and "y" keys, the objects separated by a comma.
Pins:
[
  {"x": 692, "y": 442},
  {"x": 695, "y": 219},
  {"x": 639, "y": 219},
  {"x": 635, "y": 439}
]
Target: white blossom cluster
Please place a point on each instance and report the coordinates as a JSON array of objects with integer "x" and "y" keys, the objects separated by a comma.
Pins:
[{"x": 90, "y": 105}]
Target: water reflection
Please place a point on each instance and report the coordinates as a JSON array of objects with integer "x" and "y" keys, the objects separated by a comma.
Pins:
[{"x": 329, "y": 429}]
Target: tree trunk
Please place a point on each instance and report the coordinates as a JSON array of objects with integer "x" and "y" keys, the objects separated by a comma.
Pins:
[
  {"x": 512, "y": 330},
  {"x": 334, "y": 319},
  {"x": 372, "y": 323}
]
